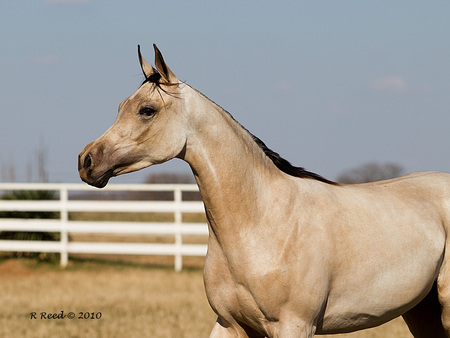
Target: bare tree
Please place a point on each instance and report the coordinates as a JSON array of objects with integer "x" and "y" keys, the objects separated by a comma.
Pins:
[
  {"x": 370, "y": 172},
  {"x": 9, "y": 170},
  {"x": 165, "y": 178},
  {"x": 169, "y": 178},
  {"x": 41, "y": 161}
]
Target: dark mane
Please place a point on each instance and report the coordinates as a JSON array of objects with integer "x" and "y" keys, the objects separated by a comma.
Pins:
[{"x": 286, "y": 167}]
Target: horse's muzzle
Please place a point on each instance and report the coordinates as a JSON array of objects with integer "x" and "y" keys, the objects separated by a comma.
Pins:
[{"x": 87, "y": 172}]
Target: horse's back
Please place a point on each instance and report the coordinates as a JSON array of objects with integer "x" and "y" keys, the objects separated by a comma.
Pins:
[
  {"x": 427, "y": 187},
  {"x": 420, "y": 179},
  {"x": 429, "y": 191}
]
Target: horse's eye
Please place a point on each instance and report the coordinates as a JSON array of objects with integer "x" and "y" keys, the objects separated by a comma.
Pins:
[{"x": 147, "y": 111}]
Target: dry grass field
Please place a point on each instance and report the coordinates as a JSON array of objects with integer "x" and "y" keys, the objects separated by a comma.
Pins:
[{"x": 135, "y": 300}]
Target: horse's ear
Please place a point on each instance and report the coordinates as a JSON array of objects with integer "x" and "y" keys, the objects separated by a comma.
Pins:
[
  {"x": 147, "y": 69},
  {"x": 162, "y": 68}
]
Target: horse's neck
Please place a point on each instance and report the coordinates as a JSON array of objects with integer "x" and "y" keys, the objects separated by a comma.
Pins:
[{"x": 232, "y": 172}]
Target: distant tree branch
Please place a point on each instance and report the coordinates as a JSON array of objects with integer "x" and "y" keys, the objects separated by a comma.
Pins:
[{"x": 370, "y": 172}]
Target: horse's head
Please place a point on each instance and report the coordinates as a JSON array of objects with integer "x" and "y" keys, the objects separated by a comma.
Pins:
[{"x": 149, "y": 128}]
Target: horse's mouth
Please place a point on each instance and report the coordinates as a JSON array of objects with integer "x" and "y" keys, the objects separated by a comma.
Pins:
[{"x": 99, "y": 182}]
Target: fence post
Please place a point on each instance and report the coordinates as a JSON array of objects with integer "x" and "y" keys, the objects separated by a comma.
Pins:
[
  {"x": 178, "y": 221},
  {"x": 64, "y": 197}
]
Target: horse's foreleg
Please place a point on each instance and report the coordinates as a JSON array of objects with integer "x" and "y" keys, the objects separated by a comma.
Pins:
[
  {"x": 295, "y": 330},
  {"x": 443, "y": 289},
  {"x": 424, "y": 320},
  {"x": 221, "y": 331},
  {"x": 224, "y": 330}
]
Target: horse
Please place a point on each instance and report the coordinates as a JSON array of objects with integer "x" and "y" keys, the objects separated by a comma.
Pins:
[{"x": 290, "y": 253}]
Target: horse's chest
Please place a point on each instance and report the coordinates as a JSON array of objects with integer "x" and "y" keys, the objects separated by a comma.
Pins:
[
  {"x": 242, "y": 294},
  {"x": 236, "y": 304}
]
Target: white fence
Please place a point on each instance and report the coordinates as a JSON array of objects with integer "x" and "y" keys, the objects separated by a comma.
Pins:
[{"x": 64, "y": 225}]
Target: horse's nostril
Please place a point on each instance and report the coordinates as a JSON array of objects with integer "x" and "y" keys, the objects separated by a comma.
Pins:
[{"x": 87, "y": 161}]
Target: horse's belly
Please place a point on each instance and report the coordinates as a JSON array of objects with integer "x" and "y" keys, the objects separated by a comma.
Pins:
[
  {"x": 381, "y": 267},
  {"x": 370, "y": 295}
]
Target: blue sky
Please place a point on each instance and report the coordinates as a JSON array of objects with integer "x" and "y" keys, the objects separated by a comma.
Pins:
[{"x": 329, "y": 85}]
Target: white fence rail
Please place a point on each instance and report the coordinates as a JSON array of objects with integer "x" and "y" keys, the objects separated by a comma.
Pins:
[{"x": 64, "y": 225}]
